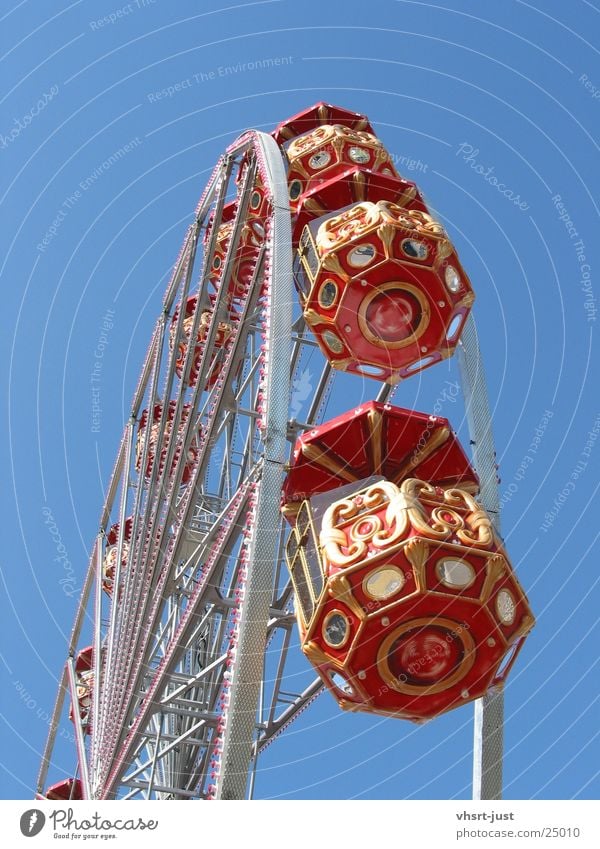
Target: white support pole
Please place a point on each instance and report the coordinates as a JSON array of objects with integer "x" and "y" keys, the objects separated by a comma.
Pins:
[
  {"x": 79, "y": 735},
  {"x": 247, "y": 670},
  {"x": 488, "y": 741},
  {"x": 97, "y": 656}
]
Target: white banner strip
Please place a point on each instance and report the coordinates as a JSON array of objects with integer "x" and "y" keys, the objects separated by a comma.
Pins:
[{"x": 298, "y": 824}]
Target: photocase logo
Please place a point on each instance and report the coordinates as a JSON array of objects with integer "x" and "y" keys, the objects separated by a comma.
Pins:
[{"x": 32, "y": 822}]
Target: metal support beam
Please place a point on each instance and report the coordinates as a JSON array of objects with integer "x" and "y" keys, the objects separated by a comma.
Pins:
[
  {"x": 79, "y": 735},
  {"x": 247, "y": 669},
  {"x": 489, "y": 711}
]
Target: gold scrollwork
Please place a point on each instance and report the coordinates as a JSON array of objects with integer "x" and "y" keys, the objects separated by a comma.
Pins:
[
  {"x": 447, "y": 519},
  {"x": 386, "y": 233},
  {"x": 225, "y": 231},
  {"x": 311, "y": 316},
  {"x": 336, "y": 133},
  {"x": 318, "y": 657},
  {"x": 479, "y": 530},
  {"x": 412, "y": 489},
  {"x": 527, "y": 623},
  {"x": 467, "y": 301},
  {"x": 373, "y": 525},
  {"x": 382, "y": 157},
  {"x": 358, "y": 136},
  {"x": 333, "y": 539},
  {"x": 331, "y": 262},
  {"x": 341, "y": 365},
  {"x": 387, "y": 216},
  {"x": 359, "y": 185},
  {"x": 415, "y": 505},
  {"x": 353, "y": 222},
  {"x": 412, "y": 219},
  {"x": 407, "y": 195},
  {"x": 307, "y": 142},
  {"x": 445, "y": 248}
]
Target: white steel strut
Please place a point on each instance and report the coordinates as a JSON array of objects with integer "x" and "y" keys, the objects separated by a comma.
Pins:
[{"x": 488, "y": 744}]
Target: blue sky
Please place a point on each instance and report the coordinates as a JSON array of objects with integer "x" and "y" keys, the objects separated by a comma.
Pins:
[{"x": 460, "y": 93}]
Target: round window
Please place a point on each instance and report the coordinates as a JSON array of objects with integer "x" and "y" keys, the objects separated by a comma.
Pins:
[
  {"x": 328, "y": 294},
  {"x": 384, "y": 582},
  {"x": 415, "y": 249},
  {"x": 335, "y": 629},
  {"x": 455, "y": 573},
  {"x": 506, "y": 607},
  {"x": 359, "y": 155},
  {"x": 361, "y": 256},
  {"x": 295, "y": 189},
  {"x": 320, "y": 160},
  {"x": 452, "y": 279}
]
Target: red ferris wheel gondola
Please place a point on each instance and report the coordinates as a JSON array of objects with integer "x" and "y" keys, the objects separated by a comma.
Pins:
[
  {"x": 406, "y": 601},
  {"x": 243, "y": 263},
  {"x": 153, "y": 438},
  {"x": 354, "y": 185},
  {"x": 65, "y": 790},
  {"x": 224, "y": 331},
  {"x": 375, "y": 439},
  {"x": 381, "y": 285},
  {"x": 328, "y": 151},
  {"x": 385, "y": 294},
  {"x": 110, "y": 554},
  {"x": 84, "y": 678},
  {"x": 316, "y": 116}
]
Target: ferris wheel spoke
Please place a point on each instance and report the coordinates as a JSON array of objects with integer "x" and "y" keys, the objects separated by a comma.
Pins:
[
  {"x": 277, "y": 724},
  {"x": 187, "y": 624},
  {"x": 149, "y": 521},
  {"x": 132, "y": 581}
]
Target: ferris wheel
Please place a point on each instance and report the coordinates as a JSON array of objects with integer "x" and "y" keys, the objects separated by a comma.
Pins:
[{"x": 228, "y": 523}]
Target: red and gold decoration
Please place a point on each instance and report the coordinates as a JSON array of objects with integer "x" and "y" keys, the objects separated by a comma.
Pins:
[
  {"x": 154, "y": 432},
  {"x": 109, "y": 563},
  {"x": 251, "y": 239},
  {"x": 381, "y": 285},
  {"x": 259, "y": 206},
  {"x": 327, "y": 152},
  {"x": 316, "y": 116},
  {"x": 375, "y": 439},
  {"x": 406, "y": 601},
  {"x": 84, "y": 678},
  {"x": 224, "y": 331},
  {"x": 354, "y": 185},
  {"x": 385, "y": 293}
]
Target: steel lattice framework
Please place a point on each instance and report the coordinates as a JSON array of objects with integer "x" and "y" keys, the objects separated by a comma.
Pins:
[{"x": 181, "y": 709}]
